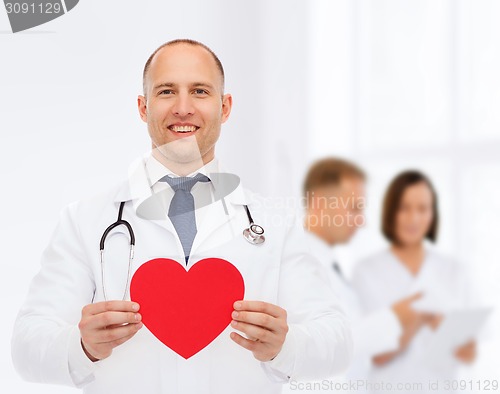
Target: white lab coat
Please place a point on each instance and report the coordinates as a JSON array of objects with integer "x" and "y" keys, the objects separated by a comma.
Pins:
[
  {"x": 382, "y": 279},
  {"x": 46, "y": 340},
  {"x": 372, "y": 333}
]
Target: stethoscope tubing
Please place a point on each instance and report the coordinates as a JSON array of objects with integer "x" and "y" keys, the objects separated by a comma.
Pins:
[{"x": 254, "y": 234}]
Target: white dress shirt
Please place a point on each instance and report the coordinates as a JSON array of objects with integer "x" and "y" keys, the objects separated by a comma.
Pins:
[{"x": 203, "y": 192}]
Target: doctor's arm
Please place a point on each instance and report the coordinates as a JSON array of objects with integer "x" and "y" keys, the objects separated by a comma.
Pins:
[
  {"x": 46, "y": 345},
  {"x": 375, "y": 333},
  {"x": 411, "y": 321},
  {"x": 318, "y": 342}
]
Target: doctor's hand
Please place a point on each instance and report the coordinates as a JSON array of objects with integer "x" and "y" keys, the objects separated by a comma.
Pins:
[
  {"x": 467, "y": 352},
  {"x": 433, "y": 320},
  {"x": 106, "y": 325},
  {"x": 409, "y": 318},
  {"x": 265, "y": 326}
]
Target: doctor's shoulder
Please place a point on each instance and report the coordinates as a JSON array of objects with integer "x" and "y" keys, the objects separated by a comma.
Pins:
[
  {"x": 462, "y": 275},
  {"x": 368, "y": 269},
  {"x": 450, "y": 266},
  {"x": 95, "y": 205},
  {"x": 283, "y": 230},
  {"x": 372, "y": 263},
  {"x": 273, "y": 211}
]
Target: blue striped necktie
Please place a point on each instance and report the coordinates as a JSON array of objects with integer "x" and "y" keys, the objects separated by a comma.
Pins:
[{"x": 181, "y": 211}]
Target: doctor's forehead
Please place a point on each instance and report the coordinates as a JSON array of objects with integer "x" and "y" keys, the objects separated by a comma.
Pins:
[{"x": 181, "y": 64}]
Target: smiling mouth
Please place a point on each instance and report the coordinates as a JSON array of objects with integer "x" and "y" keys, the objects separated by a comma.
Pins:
[{"x": 183, "y": 129}]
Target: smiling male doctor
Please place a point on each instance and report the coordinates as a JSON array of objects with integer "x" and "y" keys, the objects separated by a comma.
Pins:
[{"x": 289, "y": 324}]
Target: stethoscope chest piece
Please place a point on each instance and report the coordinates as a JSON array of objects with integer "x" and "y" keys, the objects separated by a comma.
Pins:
[{"x": 254, "y": 234}]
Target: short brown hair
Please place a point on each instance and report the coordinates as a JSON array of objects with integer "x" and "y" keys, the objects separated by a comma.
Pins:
[
  {"x": 181, "y": 41},
  {"x": 392, "y": 201},
  {"x": 330, "y": 171}
]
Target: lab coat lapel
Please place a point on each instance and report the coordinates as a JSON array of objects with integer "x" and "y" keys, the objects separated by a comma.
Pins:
[
  {"x": 154, "y": 209},
  {"x": 151, "y": 206},
  {"x": 147, "y": 205},
  {"x": 216, "y": 215}
]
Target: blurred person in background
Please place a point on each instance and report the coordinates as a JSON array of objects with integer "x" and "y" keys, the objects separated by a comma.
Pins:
[
  {"x": 334, "y": 192},
  {"x": 410, "y": 265}
]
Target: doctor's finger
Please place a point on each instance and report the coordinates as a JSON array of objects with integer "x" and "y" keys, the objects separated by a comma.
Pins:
[
  {"x": 259, "y": 319},
  {"x": 115, "y": 334},
  {"x": 252, "y": 331},
  {"x": 105, "y": 306},
  {"x": 118, "y": 342},
  {"x": 107, "y": 319},
  {"x": 248, "y": 344},
  {"x": 260, "y": 306}
]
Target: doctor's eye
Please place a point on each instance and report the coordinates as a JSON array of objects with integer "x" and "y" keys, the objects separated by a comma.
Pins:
[
  {"x": 166, "y": 91},
  {"x": 200, "y": 91}
]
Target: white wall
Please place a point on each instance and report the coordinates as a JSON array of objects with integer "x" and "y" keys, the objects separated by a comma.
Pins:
[{"x": 415, "y": 84}]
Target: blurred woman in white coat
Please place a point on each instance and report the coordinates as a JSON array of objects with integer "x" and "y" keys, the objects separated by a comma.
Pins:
[{"x": 409, "y": 218}]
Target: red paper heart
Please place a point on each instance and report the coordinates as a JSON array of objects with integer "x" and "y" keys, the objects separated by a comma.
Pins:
[{"x": 186, "y": 310}]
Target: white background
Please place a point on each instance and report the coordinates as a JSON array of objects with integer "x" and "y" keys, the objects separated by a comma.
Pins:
[{"x": 390, "y": 84}]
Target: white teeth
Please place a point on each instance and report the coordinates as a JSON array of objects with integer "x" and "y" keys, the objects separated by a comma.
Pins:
[{"x": 183, "y": 129}]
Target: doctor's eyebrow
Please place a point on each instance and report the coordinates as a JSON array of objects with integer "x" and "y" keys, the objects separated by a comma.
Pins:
[
  {"x": 164, "y": 85},
  {"x": 202, "y": 85},
  {"x": 194, "y": 85}
]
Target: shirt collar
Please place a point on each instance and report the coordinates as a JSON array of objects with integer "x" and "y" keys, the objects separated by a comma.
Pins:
[
  {"x": 325, "y": 253},
  {"x": 144, "y": 172},
  {"x": 157, "y": 170}
]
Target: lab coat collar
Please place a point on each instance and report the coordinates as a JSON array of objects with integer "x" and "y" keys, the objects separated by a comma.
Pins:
[
  {"x": 156, "y": 170},
  {"x": 137, "y": 187},
  {"x": 325, "y": 253},
  {"x": 150, "y": 206}
]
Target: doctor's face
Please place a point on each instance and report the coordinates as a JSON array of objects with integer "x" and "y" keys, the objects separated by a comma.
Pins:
[
  {"x": 184, "y": 106},
  {"x": 338, "y": 210},
  {"x": 415, "y": 214}
]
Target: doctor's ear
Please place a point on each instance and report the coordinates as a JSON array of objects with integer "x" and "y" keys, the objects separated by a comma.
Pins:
[
  {"x": 227, "y": 104},
  {"x": 142, "y": 107}
]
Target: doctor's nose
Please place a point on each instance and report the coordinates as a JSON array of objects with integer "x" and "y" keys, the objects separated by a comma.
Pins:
[{"x": 183, "y": 106}]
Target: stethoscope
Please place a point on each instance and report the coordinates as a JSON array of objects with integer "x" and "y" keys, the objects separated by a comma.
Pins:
[{"x": 253, "y": 234}]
